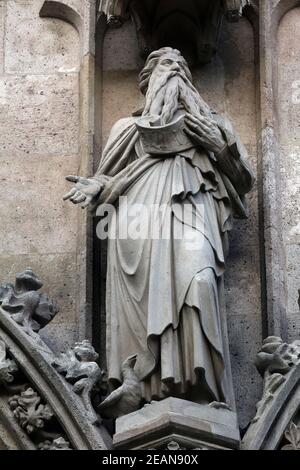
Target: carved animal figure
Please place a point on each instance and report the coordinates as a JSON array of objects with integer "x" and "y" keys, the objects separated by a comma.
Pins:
[
  {"x": 29, "y": 308},
  {"x": 126, "y": 398}
]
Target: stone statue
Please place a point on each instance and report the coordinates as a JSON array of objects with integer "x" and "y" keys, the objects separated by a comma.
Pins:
[{"x": 165, "y": 294}]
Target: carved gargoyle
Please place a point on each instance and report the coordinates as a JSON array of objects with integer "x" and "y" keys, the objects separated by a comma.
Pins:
[
  {"x": 29, "y": 308},
  {"x": 274, "y": 362},
  {"x": 276, "y": 356},
  {"x": 7, "y": 366},
  {"x": 79, "y": 367}
]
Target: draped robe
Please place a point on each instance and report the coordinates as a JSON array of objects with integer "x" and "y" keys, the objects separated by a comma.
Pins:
[{"x": 164, "y": 300}]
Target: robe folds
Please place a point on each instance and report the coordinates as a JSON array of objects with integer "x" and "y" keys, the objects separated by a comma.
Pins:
[{"x": 164, "y": 298}]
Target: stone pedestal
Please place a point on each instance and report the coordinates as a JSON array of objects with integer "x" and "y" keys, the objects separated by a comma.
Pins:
[{"x": 174, "y": 424}]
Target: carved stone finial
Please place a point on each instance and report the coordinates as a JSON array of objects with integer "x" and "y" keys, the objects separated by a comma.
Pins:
[
  {"x": 79, "y": 368},
  {"x": 28, "y": 308}
]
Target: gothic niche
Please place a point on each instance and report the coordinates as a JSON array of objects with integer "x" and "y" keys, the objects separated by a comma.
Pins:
[{"x": 192, "y": 26}]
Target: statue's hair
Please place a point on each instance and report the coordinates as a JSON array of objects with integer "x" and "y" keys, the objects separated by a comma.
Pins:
[
  {"x": 181, "y": 90},
  {"x": 152, "y": 62}
]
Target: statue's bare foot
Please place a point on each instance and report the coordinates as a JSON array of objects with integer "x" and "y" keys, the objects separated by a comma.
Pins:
[{"x": 218, "y": 405}]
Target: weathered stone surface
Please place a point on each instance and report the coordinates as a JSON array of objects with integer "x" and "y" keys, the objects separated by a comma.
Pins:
[
  {"x": 2, "y": 27},
  {"x": 23, "y": 206},
  {"x": 78, "y": 6},
  {"x": 232, "y": 77},
  {"x": 180, "y": 420},
  {"x": 60, "y": 335},
  {"x": 121, "y": 97},
  {"x": 293, "y": 281},
  {"x": 290, "y": 170},
  {"x": 289, "y": 119},
  {"x": 288, "y": 50},
  {"x": 39, "y": 95},
  {"x": 34, "y": 109},
  {"x": 37, "y": 45},
  {"x": 81, "y": 14},
  {"x": 126, "y": 59},
  {"x": 243, "y": 346}
]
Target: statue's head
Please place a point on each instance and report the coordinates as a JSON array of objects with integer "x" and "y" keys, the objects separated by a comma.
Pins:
[
  {"x": 163, "y": 61},
  {"x": 166, "y": 81}
]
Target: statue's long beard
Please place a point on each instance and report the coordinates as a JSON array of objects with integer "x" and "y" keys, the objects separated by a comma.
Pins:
[{"x": 170, "y": 91}]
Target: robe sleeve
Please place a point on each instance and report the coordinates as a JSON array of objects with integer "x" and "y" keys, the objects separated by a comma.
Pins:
[
  {"x": 232, "y": 160},
  {"x": 118, "y": 151}
]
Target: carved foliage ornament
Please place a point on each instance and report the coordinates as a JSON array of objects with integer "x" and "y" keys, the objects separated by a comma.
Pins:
[
  {"x": 292, "y": 435},
  {"x": 29, "y": 411}
]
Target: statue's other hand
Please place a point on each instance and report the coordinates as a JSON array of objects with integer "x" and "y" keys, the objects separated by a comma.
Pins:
[
  {"x": 205, "y": 132},
  {"x": 84, "y": 191}
]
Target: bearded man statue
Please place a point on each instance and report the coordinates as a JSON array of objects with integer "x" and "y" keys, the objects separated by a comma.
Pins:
[{"x": 164, "y": 301}]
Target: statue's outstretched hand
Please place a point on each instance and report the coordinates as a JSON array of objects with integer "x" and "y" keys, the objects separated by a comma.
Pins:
[
  {"x": 205, "y": 132},
  {"x": 84, "y": 191}
]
